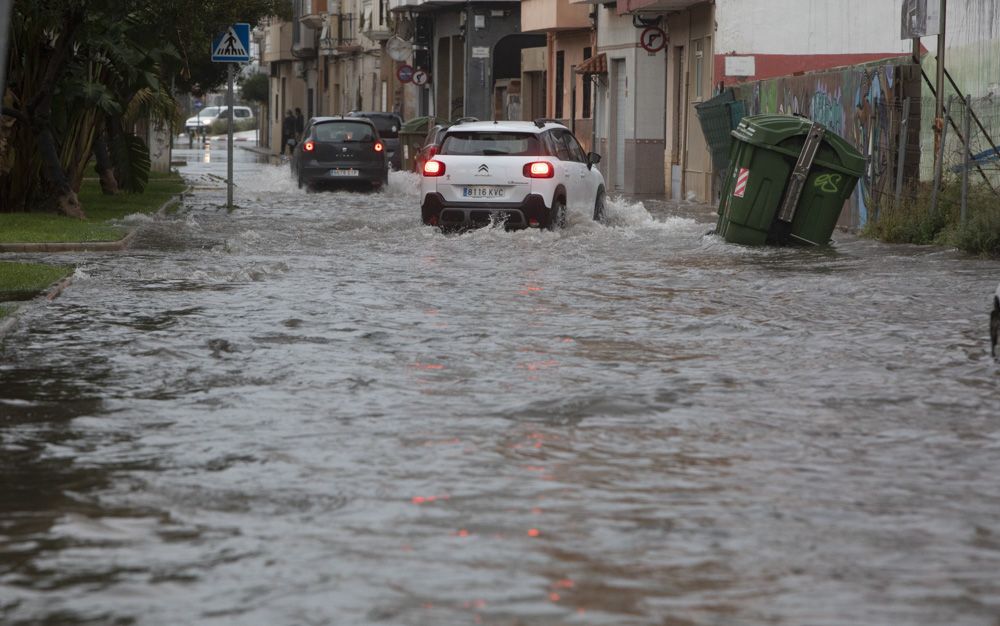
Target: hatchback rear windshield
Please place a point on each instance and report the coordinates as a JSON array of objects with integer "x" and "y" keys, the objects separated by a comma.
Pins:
[
  {"x": 344, "y": 131},
  {"x": 491, "y": 144}
]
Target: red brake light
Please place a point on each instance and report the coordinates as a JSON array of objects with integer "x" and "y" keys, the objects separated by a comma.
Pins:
[
  {"x": 433, "y": 168},
  {"x": 309, "y": 146},
  {"x": 378, "y": 146},
  {"x": 539, "y": 169}
]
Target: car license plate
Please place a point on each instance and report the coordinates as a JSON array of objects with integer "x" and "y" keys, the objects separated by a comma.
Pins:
[
  {"x": 343, "y": 173},
  {"x": 483, "y": 191}
]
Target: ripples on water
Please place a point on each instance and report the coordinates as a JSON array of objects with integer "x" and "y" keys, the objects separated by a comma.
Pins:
[{"x": 314, "y": 409}]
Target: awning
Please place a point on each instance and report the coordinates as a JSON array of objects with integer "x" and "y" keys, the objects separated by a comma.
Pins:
[{"x": 594, "y": 65}]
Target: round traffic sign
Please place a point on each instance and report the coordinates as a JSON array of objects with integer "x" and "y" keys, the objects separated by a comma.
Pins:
[
  {"x": 420, "y": 77},
  {"x": 653, "y": 39},
  {"x": 404, "y": 73}
]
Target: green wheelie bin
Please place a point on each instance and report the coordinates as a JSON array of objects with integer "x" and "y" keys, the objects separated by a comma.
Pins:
[{"x": 787, "y": 183}]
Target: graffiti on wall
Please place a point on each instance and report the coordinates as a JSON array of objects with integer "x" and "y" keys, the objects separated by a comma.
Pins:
[{"x": 861, "y": 104}]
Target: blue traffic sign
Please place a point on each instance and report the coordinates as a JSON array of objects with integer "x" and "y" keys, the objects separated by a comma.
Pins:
[{"x": 232, "y": 46}]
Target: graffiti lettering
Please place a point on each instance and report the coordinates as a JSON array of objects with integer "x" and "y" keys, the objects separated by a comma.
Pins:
[{"x": 828, "y": 183}]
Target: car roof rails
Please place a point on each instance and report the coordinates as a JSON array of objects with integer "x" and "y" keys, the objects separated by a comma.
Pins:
[
  {"x": 463, "y": 120},
  {"x": 542, "y": 121}
]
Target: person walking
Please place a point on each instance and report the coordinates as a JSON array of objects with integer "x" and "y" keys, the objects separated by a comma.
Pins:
[
  {"x": 288, "y": 132},
  {"x": 300, "y": 124}
]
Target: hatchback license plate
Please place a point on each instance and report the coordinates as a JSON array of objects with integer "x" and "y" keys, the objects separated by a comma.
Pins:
[
  {"x": 483, "y": 191},
  {"x": 343, "y": 173}
]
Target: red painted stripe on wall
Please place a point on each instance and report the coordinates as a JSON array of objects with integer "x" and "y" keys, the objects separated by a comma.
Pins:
[{"x": 774, "y": 65}]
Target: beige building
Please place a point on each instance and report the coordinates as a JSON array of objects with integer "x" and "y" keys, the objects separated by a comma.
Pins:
[
  {"x": 569, "y": 44},
  {"x": 330, "y": 59}
]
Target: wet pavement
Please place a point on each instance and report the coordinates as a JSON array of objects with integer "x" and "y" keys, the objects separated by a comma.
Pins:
[{"x": 315, "y": 410}]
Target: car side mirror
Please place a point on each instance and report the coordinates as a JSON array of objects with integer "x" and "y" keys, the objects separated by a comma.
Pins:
[{"x": 593, "y": 159}]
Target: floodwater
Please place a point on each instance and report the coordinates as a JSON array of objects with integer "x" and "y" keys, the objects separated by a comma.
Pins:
[{"x": 315, "y": 410}]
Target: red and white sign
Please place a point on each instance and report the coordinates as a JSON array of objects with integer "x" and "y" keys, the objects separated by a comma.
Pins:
[
  {"x": 741, "y": 182},
  {"x": 653, "y": 39}
]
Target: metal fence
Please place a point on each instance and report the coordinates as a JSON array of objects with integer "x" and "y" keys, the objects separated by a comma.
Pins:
[
  {"x": 902, "y": 155},
  {"x": 968, "y": 157}
]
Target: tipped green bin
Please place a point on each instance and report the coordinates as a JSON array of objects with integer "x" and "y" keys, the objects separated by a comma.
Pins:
[{"x": 787, "y": 182}]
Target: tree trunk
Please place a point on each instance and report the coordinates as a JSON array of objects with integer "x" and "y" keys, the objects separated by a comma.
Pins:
[
  {"x": 66, "y": 201},
  {"x": 39, "y": 111},
  {"x": 105, "y": 169}
]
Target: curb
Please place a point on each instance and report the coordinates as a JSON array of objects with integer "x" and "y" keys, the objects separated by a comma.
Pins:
[
  {"x": 91, "y": 246},
  {"x": 271, "y": 155},
  {"x": 54, "y": 291}
]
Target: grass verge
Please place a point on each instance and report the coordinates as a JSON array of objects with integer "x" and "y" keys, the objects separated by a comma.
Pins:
[
  {"x": 912, "y": 221},
  {"x": 22, "y": 281},
  {"x": 100, "y": 209}
]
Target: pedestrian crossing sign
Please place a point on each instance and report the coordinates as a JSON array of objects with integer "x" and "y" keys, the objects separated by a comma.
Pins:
[{"x": 232, "y": 46}]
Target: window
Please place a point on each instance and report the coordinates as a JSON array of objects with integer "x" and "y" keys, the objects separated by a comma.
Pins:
[
  {"x": 698, "y": 69},
  {"x": 344, "y": 131},
  {"x": 567, "y": 147},
  {"x": 491, "y": 144},
  {"x": 587, "y": 53},
  {"x": 560, "y": 78}
]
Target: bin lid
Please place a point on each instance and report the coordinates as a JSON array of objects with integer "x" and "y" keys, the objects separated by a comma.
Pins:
[
  {"x": 418, "y": 124},
  {"x": 770, "y": 131}
]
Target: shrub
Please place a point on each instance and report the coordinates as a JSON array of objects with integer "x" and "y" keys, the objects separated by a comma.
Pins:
[
  {"x": 221, "y": 127},
  {"x": 913, "y": 221}
]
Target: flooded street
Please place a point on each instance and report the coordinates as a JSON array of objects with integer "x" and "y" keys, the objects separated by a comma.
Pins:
[{"x": 315, "y": 410}]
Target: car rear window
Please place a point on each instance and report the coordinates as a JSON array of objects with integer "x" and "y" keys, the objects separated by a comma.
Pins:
[
  {"x": 471, "y": 143},
  {"x": 343, "y": 131}
]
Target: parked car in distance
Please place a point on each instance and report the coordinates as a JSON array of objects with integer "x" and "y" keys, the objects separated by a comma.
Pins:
[
  {"x": 200, "y": 122},
  {"x": 995, "y": 323},
  {"x": 528, "y": 174},
  {"x": 432, "y": 142},
  {"x": 429, "y": 146},
  {"x": 388, "y": 125},
  {"x": 340, "y": 150}
]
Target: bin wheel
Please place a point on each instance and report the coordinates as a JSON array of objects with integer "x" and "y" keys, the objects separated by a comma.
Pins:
[{"x": 600, "y": 207}]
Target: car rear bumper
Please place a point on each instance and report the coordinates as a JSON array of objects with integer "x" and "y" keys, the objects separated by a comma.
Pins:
[{"x": 530, "y": 212}]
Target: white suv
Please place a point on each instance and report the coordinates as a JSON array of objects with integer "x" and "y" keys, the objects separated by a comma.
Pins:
[
  {"x": 526, "y": 174},
  {"x": 200, "y": 122}
]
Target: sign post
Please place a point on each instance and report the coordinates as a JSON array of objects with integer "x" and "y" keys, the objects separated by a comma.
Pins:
[{"x": 231, "y": 47}]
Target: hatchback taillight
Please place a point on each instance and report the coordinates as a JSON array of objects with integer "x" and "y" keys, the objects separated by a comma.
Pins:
[
  {"x": 433, "y": 168},
  {"x": 539, "y": 169},
  {"x": 309, "y": 146},
  {"x": 378, "y": 146}
]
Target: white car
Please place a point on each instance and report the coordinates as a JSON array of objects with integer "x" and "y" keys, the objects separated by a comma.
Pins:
[
  {"x": 526, "y": 174},
  {"x": 200, "y": 122},
  {"x": 995, "y": 322}
]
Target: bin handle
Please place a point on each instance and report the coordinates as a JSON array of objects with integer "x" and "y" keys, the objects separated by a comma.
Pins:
[{"x": 797, "y": 181}]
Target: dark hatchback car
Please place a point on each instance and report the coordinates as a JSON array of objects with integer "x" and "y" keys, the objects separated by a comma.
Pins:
[
  {"x": 388, "y": 125},
  {"x": 339, "y": 151}
]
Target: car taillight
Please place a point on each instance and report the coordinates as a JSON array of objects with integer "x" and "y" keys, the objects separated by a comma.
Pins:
[
  {"x": 378, "y": 146},
  {"x": 309, "y": 146},
  {"x": 539, "y": 169},
  {"x": 433, "y": 168}
]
